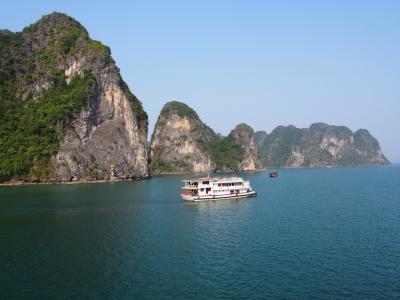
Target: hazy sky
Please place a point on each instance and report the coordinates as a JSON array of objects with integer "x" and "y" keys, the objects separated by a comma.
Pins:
[{"x": 260, "y": 62}]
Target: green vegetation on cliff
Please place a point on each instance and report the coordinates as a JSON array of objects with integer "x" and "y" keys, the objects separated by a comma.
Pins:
[
  {"x": 37, "y": 100},
  {"x": 174, "y": 166},
  {"x": 319, "y": 145},
  {"x": 281, "y": 140},
  {"x": 31, "y": 126},
  {"x": 226, "y": 154},
  {"x": 30, "y": 130},
  {"x": 179, "y": 108},
  {"x": 137, "y": 108}
]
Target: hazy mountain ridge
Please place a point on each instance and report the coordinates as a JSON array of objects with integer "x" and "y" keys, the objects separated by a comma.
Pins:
[{"x": 320, "y": 145}]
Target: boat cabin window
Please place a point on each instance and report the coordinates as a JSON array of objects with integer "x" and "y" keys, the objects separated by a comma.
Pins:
[{"x": 206, "y": 182}]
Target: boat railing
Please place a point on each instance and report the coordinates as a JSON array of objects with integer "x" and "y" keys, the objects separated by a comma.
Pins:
[
  {"x": 217, "y": 184},
  {"x": 197, "y": 185}
]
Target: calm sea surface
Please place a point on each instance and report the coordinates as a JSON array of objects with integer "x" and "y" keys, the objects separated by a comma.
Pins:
[{"x": 311, "y": 233}]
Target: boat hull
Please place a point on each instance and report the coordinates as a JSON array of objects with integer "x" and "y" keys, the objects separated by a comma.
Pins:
[{"x": 218, "y": 197}]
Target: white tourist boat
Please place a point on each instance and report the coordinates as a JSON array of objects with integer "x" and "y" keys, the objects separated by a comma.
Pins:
[{"x": 215, "y": 188}]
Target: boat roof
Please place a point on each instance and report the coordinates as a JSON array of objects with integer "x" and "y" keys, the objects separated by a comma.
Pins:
[{"x": 214, "y": 179}]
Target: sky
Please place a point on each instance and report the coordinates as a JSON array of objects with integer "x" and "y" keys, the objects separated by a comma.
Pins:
[{"x": 265, "y": 63}]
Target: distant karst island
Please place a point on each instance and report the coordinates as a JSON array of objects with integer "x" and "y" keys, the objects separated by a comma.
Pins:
[{"x": 67, "y": 115}]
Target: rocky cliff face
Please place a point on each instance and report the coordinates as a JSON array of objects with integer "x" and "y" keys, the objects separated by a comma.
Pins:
[
  {"x": 244, "y": 136},
  {"x": 182, "y": 143},
  {"x": 320, "y": 145},
  {"x": 95, "y": 126},
  {"x": 178, "y": 144}
]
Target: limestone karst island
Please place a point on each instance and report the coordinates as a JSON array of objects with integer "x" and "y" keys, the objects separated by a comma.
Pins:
[{"x": 66, "y": 114}]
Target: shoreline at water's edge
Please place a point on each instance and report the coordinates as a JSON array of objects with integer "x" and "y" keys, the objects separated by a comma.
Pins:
[
  {"x": 199, "y": 173},
  {"x": 272, "y": 167},
  {"x": 331, "y": 167},
  {"x": 19, "y": 183}
]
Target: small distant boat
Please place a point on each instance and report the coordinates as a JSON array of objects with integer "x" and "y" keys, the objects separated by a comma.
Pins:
[
  {"x": 273, "y": 174},
  {"x": 216, "y": 188}
]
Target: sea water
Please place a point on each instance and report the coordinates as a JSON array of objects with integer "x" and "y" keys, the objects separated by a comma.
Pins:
[{"x": 310, "y": 233}]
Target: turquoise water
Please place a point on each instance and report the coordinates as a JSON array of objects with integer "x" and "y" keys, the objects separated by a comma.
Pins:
[{"x": 311, "y": 233}]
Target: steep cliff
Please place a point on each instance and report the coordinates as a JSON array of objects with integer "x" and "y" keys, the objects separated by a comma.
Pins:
[
  {"x": 65, "y": 112},
  {"x": 182, "y": 143},
  {"x": 244, "y": 136},
  {"x": 320, "y": 145},
  {"x": 179, "y": 140}
]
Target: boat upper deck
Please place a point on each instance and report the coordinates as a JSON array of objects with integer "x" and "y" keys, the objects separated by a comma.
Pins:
[
  {"x": 213, "y": 182},
  {"x": 214, "y": 179}
]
